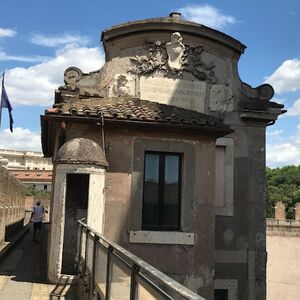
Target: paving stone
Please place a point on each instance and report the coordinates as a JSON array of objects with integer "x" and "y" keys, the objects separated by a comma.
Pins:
[{"x": 22, "y": 272}]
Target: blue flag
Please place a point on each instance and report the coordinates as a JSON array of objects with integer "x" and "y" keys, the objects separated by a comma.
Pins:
[{"x": 6, "y": 104}]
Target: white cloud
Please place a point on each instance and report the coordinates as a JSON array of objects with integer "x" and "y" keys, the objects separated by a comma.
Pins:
[
  {"x": 287, "y": 77},
  {"x": 20, "y": 139},
  {"x": 58, "y": 41},
  {"x": 35, "y": 85},
  {"x": 5, "y": 32},
  {"x": 275, "y": 133},
  {"x": 207, "y": 15},
  {"x": 296, "y": 137},
  {"x": 283, "y": 153},
  {"x": 294, "y": 110},
  {"x": 36, "y": 58}
]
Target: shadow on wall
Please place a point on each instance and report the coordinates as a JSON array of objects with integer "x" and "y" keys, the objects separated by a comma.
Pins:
[
  {"x": 11, "y": 221},
  {"x": 12, "y": 229}
]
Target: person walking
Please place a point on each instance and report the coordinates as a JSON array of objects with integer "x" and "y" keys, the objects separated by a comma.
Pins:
[{"x": 37, "y": 219}]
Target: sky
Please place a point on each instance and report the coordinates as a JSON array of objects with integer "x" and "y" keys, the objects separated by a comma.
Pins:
[{"x": 40, "y": 39}]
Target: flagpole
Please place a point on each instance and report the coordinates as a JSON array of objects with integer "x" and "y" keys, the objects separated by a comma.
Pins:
[{"x": 1, "y": 97}]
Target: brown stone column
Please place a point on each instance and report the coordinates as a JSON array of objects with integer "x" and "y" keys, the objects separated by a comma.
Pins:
[
  {"x": 297, "y": 211},
  {"x": 279, "y": 211}
]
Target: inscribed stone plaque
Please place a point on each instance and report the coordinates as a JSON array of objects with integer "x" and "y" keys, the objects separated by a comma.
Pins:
[{"x": 183, "y": 93}]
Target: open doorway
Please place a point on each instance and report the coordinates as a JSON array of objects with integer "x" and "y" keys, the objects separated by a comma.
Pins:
[{"x": 77, "y": 191}]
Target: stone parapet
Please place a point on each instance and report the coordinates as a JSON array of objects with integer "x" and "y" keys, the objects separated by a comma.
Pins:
[
  {"x": 285, "y": 222},
  {"x": 286, "y": 228},
  {"x": 12, "y": 201}
]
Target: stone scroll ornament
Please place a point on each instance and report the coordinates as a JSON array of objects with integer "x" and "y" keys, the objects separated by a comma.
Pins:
[
  {"x": 72, "y": 75},
  {"x": 84, "y": 84},
  {"x": 173, "y": 57}
]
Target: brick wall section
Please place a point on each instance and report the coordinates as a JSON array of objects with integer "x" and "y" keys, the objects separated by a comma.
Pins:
[{"x": 12, "y": 201}]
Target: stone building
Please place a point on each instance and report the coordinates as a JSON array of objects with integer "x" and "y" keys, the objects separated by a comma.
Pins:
[
  {"x": 163, "y": 152},
  {"x": 31, "y": 168},
  {"x": 40, "y": 180}
]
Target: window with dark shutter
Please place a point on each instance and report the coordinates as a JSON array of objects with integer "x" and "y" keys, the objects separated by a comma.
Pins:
[{"x": 162, "y": 191}]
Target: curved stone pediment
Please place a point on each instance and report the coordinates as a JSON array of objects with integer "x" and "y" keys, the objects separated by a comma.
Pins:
[{"x": 169, "y": 61}]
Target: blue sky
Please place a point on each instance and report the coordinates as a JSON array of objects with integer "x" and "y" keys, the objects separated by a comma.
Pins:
[{"x": 40, "y": 39}]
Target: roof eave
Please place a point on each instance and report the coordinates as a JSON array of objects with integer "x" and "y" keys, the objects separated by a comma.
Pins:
[{"x": 216, "y": 131}]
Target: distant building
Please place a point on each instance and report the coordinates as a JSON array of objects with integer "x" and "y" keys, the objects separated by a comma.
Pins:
[
  {"x": 24, "y": 160},
  {"x": 31, "y": 168},
  {"x": 38, "y": 179}
]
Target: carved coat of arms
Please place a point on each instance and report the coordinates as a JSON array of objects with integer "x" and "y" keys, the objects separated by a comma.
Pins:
[{"x": 173, "y": 57}]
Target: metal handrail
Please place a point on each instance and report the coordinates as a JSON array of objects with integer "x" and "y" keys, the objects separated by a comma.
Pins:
[{"x": 139, "y": 270}]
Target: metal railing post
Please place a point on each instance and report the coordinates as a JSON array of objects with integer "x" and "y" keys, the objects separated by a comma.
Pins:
[
  {"x": 96, "y": 239},
  {"x": 154, "y": 281},
  {"x": 85, "y": 278},
  {"x": 79, "y": 247},
  {"x": 134, "y": 270},
  {"x": 107, "y": 293}
]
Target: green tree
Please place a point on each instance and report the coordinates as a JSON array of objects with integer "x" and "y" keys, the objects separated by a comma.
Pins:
[
  {"x": 283, "y": 184},
  {"x": 31, "y": 191}
]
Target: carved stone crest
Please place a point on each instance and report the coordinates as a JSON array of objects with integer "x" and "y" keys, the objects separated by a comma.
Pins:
[
  {"x": 173, "y": 57},
  {"x": 175, "y": 50}
]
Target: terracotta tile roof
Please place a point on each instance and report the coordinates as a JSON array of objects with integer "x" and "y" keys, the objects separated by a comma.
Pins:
[
  {"x": 136, "y": 110},
  {"x": 32, "y": 175},
  {"x": 52, "y": 110}
]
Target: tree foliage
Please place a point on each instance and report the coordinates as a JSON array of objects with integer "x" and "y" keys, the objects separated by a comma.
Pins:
[
  {"x": 283, "y": 184},
  {"x": 31, "y": 191}
]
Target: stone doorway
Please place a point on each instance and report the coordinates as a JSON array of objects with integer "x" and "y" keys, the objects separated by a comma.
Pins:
[{"x": 77, "y": 191}]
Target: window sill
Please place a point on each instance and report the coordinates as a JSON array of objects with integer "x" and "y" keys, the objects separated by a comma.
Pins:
[{"x": 162, "y": 237}]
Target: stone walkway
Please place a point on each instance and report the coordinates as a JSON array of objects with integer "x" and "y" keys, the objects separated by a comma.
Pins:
[{"x": 22, "y": 271}]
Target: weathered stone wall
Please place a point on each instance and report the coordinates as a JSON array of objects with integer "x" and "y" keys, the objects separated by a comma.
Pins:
[
  {"x": 283, "y": 266},
  {"x": 123, "y": 201},
  {"x": 12, "y": 201}
]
